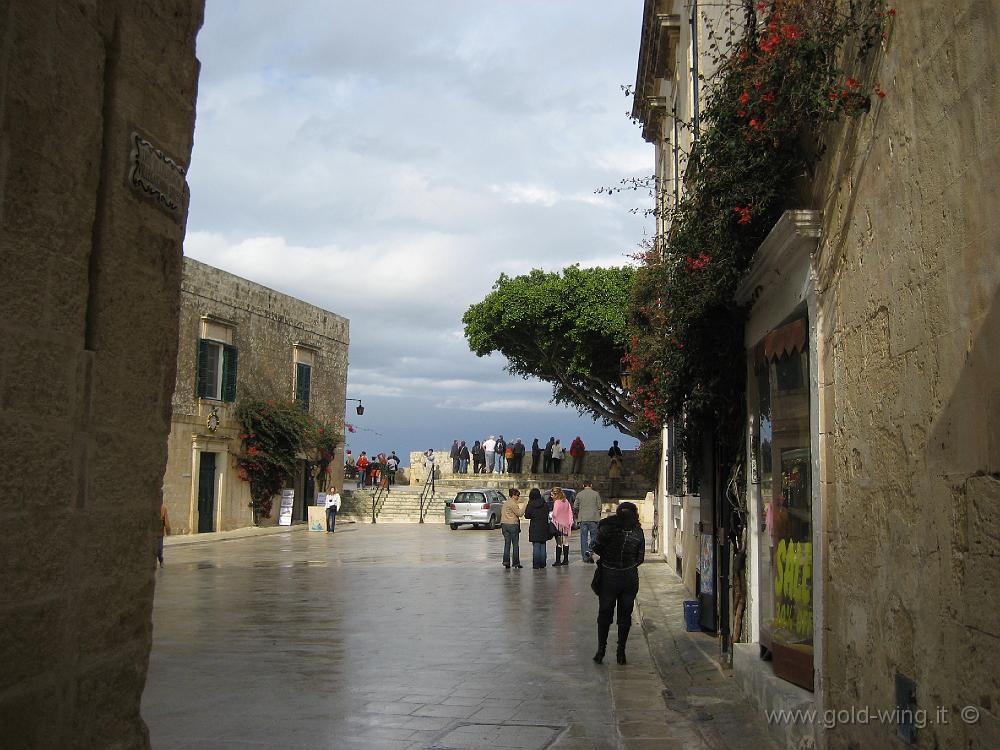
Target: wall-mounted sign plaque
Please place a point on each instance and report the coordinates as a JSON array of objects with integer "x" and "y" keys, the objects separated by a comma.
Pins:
[{"x": 156, "y": 174}]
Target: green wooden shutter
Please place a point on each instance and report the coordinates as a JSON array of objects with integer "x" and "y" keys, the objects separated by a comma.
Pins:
[
  {"x": 204, "y": 385},
  {"x": 303, "y": 377},
  {"x": 230, "y": 358}
]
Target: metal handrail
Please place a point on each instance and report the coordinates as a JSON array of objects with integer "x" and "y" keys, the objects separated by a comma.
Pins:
[
  {"x": 378, "y": 500},
  {"x": 427, "y": 495}
]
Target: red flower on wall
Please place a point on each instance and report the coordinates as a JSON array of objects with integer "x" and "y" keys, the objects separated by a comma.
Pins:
[
  {"x": 791, "y": 31},
  {"x": 744, "y": 97},
  {"x": 744, "y": 212},
  {"x": 768, "y": 97}
]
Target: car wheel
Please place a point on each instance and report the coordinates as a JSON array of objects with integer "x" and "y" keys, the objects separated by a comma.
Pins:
[
  {"x": 454, "y": 527},
  {"x": 492, "y": 524}
]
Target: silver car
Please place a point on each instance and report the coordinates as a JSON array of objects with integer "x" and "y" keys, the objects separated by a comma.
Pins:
[{"x": 479, "y": 507}]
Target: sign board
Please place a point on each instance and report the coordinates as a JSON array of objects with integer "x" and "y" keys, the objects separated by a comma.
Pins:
[
  {"x": 156, "y": 175},
  {"x": 287, "y": 503},
  {"x": 321, "y": 499},
  {"x": 317, "y": 518}
]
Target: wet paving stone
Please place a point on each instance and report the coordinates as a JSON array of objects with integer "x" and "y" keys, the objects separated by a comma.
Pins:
[{"x": 388, "y": 636}]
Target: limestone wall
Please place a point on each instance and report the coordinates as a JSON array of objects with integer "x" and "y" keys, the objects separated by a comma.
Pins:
[
  {"x": 909, "y": 275},
  {"x": 89, "y": 298},
  {"x": 595, "y": 464},
  {"x": 265, "y": 326}
]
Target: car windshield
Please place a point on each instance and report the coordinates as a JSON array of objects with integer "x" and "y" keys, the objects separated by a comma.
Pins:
[{"x": 470, "y": 497}]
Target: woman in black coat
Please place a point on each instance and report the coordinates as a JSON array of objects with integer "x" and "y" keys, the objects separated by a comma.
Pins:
[
  {"x": 536, "y": 455},
  {"x": 537, "y": 513},
  {"x": 622, "y": 549}
]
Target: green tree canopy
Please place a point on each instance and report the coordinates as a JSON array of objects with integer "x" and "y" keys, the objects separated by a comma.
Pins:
[{"x": 568, "y": 329}]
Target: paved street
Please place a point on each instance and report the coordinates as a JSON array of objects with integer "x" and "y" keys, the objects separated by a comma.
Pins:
[{"x": 392, "y": 636}]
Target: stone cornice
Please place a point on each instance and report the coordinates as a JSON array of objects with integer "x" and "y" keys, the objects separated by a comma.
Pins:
[
  {"x": 795, "y": 234},
  {"x": 657, "y": 52}
]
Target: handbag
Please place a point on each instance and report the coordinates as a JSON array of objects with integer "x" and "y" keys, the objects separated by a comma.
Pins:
[
  {"x": 595, "y": 584},
  {"x": 553, "y": 531}
]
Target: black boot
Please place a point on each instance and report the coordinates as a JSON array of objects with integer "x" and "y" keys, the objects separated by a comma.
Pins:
[
  {"x": 565, "y": 554},
  {"x": 622, "y": 640},
  {"x": 602, "y": 641},
  {"x": 558, "y": 556}
]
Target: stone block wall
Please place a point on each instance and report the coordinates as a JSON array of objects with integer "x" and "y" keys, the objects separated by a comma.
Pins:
[
  {"x": 595, "y": 464},
  {"x": 909, "y": 281},
  {"x": 265, "y": 326},
  {"x": 88, "y": 315}
]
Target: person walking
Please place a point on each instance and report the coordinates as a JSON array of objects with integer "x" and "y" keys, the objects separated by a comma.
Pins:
[
  {"x": 501, "y": 452},
  {"x": 588, "y": 512},
  {"x": 489, "y": 446},
  {"x": 536, "y": 455},
  {"x": 547, "y": 456},
  {"x": 558, "y": 452},
  {"x": 577, "y": 450},
  {"x": 332, "y": 508},
  {"x": 621, "y": 548},
  {"x": 454, "y": 456},
  {"x": 562, "y": 519},
  {"x": 162, "y": 528},
  {"x": 463, "y": 458},
  {"x": 510, "y": 525},
  {"x": 537, "y": 513}
]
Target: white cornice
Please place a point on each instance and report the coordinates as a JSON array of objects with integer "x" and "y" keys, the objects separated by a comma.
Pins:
[{"x": 793, "y": 236}]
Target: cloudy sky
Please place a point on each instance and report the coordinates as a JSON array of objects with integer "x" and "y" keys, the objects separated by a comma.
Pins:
[{"x": 387, "y": 160}]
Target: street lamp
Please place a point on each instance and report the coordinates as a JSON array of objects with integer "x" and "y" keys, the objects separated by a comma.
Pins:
[
  {"x": 360, "y": 409},
  {"x": 626, "y": 376}
]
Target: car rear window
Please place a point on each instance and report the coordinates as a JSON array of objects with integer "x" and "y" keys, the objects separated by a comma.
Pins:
[{"x": 470, "y": 497}]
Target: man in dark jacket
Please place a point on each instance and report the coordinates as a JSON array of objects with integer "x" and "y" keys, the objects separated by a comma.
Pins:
[
  {"x": 547, "y": 456},
  {"x": 537, "y": 513},
  {"x": 621, "y": 546},
  {"x": 536, "y": 454}
]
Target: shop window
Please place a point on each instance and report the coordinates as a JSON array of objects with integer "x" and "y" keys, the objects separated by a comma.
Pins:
[{"x": 780, "y": 390}]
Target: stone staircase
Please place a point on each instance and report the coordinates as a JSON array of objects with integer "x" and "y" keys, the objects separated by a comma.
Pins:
[{"x": 402, "y": 504}]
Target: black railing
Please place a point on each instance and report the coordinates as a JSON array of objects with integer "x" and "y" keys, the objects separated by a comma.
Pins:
[
  {"x": 379, "y": 494},
  {"x": 427, "y": 495}
]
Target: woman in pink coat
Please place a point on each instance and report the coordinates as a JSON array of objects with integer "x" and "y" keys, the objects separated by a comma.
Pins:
[{"x": 562, "y": 519}]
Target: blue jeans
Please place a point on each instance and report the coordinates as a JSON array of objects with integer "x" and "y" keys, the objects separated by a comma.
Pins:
[
  {"x": 538, "y": 554},
  {"x": 511, "y": 535},
  {"x": 463, "y": 465},
  {"x": 501, "y": 463},
  {"x": 588, "y": 534},
  {"x": 331, "y": 519}
]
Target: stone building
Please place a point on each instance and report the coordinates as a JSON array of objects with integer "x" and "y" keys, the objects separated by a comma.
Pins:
[
  {"x": 237, "y": 338},
  {"x": 872, "y": 395},
  {"x": 96, "y": 119}
]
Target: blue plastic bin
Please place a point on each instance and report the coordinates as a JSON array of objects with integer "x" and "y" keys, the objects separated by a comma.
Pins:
[{"x": 692, "y": 608}]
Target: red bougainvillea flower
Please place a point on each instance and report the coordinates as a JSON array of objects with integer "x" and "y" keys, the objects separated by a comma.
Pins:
[
  {"x": 851, "y": 83},
  {"x": 694, "y": 264},
  {"x": 351, "y": 428},
  {"x": 741, "y": 112},
  {"x": 879, "y": 92},
  {"x": 768, "y": 97},
  {"x": 744, "y": 212},
  {"x": 761, "y": 7},
  {"x": 834, "y": 96},
  {"x": 744, "y": 97},
  {"x": 743, "y": 54},
  {"x": 769, "y": 43},
  {"x": 791, "y": 31}
]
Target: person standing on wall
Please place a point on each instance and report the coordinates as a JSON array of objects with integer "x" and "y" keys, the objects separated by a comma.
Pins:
[
  {"x": 501, "y": 452},
  {"x": 577, "y": 450},
  {"x": 558, "y": 452},
  {"x": 392, "y": 464},
  {"x": 489, "y": 446},
  {"x": 463, "y": 458},
  {"x": 537, "y": 513},
  {"x": 510, "y": 525},
  {"x": 621, "y": 547},
  {"x": 162, "y": 528},
  {"x": 429, "y": 467},
  {"x": 614, "y": 450},
  {"x": 536, "y": 455},
  {"x": 362, "y": 467},
  {"x": 588, "y": 512},
  {"x": 517, "y": 450},
  {"x": 478, "y": 458},
  {"x": 332, "y": 508},
  {"x": 454, "y": 456},
  {"x": 547, "y": 456}
]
